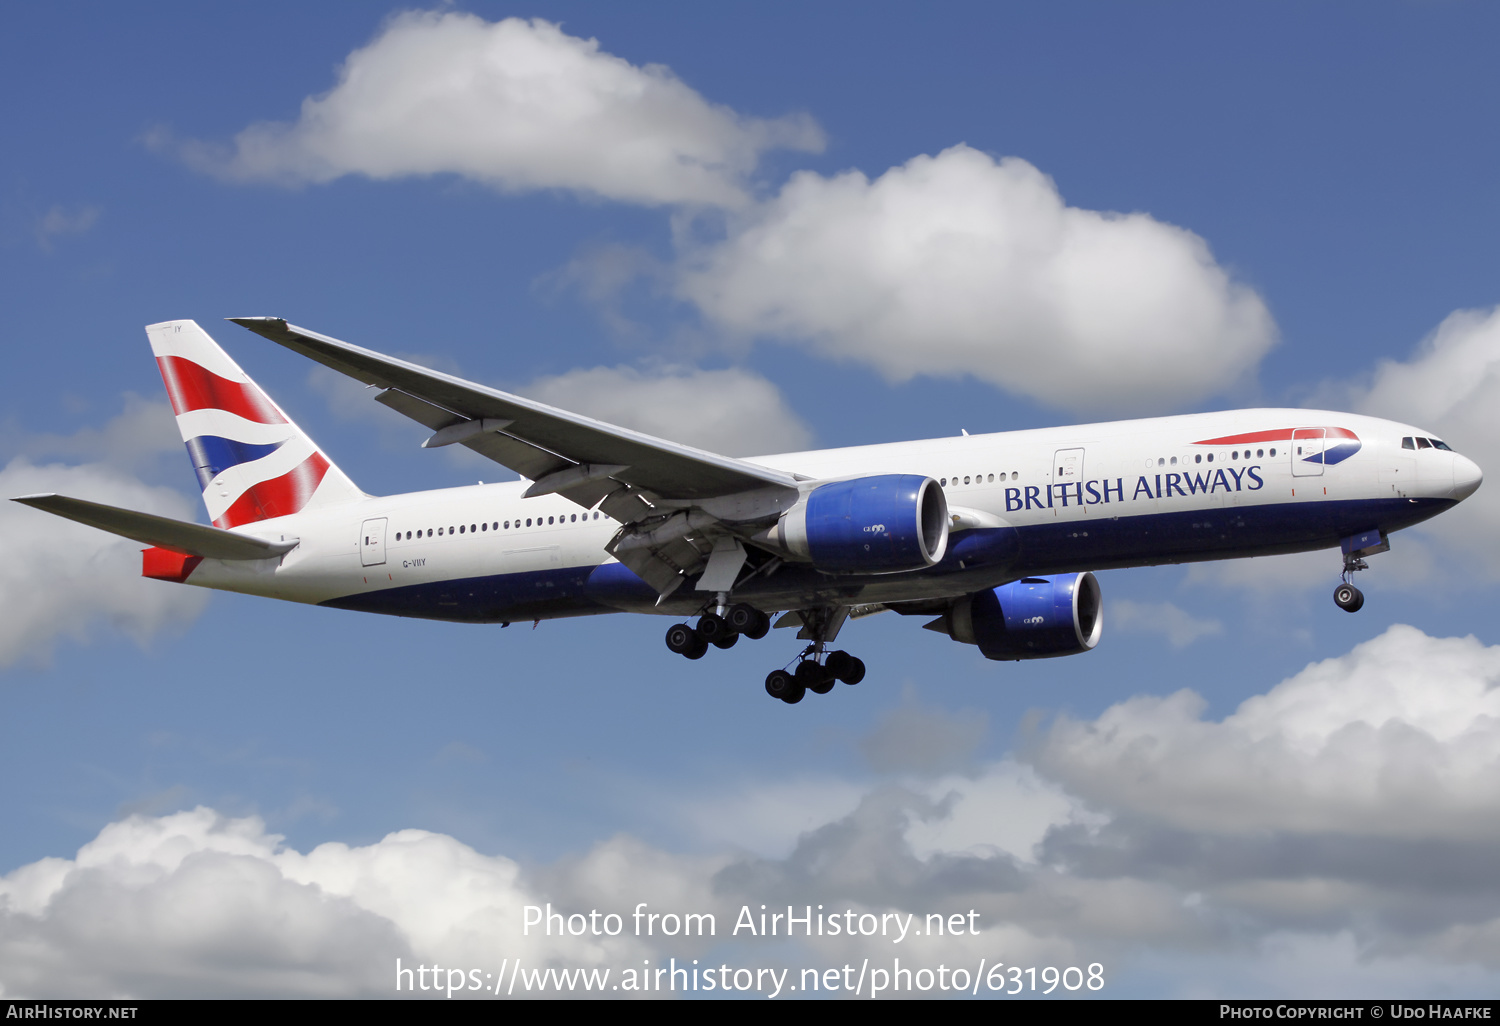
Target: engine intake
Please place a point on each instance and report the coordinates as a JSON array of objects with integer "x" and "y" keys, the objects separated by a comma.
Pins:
[
  {"x": 880, "y": 524},
  {"x": 1033, "y": 618}
]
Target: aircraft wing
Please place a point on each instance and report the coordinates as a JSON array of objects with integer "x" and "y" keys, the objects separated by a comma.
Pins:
[
  {"x": 578, "y": 457},
  {"x": 163, "y": 532}
]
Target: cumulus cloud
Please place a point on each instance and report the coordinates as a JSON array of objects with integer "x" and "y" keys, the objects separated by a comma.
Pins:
[
  {"x": 1178, "y": 627},
  {"x": 1451, "y": 387},
  {"x": 514, "y": 104},
  {"x": 135, "y": 439},
  {"x": 1333, "y": 835},
  {"x": 733, "y": 411},
  {"x": 961, "y": 264},
  {"x": 1400, "y": 738},
  {"x": 917, "y": 739},
  {"x": 66, "y": 579}
]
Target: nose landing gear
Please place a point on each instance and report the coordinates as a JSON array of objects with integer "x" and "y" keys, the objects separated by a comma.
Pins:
[
  {"x": 1355, "y": 548},
  {"x": 1349, "y": 598}
]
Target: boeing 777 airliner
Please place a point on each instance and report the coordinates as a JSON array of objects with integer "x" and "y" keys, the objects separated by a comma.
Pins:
[{"x": 992, "y": 537}]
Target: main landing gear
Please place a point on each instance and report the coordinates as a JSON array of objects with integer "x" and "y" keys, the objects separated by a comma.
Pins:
[
  {"x": 814, "y": 672},
  {"x": 810, "y": 675},
  {"x": 719, "y": 631}
]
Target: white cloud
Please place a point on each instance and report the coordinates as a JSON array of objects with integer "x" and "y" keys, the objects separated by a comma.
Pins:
[
  {"x": 64, "y": 577},
  {"x": 1178, "y": 627},
  {"x": 1451, "y": 386},
  {"x": 136, "y": 439},
  {"x": 62, "y": 220},
  {"x": 1400, "y": 738},
  {"x": 960, "y": 264},
  {"x": 1333, "y": 836},
  {"x": 733, "y": 411},
  {"x": 517, "y": 105}
]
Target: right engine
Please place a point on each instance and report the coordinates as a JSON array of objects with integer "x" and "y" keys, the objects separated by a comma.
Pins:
[{"x": 1033, "y": 618}]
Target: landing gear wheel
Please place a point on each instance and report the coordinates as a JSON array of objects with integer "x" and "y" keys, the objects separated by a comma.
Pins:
[
  {"x": 726, "y": 642},
  {"x": 1349, "y": 598},
  {"x": 814, "y": 678},
  {"x": 741, "y": 617},
  {"x": 760, "y": 628},
  {"x": 712, "y": 627},
  {"x": 682, "y": 639},
  {"x": 845, "y": 667},
  {"x": 782, "y": 685}
]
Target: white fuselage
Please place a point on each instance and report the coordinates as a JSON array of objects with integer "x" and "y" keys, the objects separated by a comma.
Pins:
[{"x": 1130, "y": 493}]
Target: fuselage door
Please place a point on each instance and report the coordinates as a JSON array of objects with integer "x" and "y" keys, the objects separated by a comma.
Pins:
[
  {"x": 1067, "y": 478},
  {"x": 372, "y": 542},
  {"x": 1307, "y": 451},
  {"x": 1069, "y": 464}
]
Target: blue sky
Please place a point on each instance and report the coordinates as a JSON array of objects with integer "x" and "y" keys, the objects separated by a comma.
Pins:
[{"x": 1334, "y": 168}]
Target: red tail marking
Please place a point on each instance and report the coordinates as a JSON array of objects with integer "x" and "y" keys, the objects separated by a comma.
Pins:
[
  {"x": 277, "y": 497},
  {"x": 191, "y": 387}
]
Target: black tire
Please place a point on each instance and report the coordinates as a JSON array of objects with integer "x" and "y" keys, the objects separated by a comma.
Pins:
[
  {"x": 725, "y": 642},
  {"x": 814, "y": 678},
  {"x": 711, "y": 627},
  {"x": 760, "y": 628},
  {"x": 681, "y": 638},
  {"x": 1349, "y": 598},
  {"x": 742, "y": 617},
  {"x": 780, "y": 684},
  {"x": 838, "y": 664},
  {"x": 856, "y": 671},
  {"x": 699, "y": 647}
]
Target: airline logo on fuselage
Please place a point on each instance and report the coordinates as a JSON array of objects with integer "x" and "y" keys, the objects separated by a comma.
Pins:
[
  {"x": 1338, "y": 443},
  {"x": 1330, "y": 445}
]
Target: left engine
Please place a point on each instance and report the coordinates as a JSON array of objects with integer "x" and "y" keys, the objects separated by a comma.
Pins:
[
  {"x": 880, "y": 524},
  {"x": 1033, "y": 618}
]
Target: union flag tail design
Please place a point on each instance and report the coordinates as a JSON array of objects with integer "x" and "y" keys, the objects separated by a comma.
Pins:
[{"x": 252, "y": 462}]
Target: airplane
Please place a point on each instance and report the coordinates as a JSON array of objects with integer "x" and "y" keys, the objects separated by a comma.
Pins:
[{"x": 994, "y": 537}]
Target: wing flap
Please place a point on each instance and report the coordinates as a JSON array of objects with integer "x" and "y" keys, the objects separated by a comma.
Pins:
[{"x": 163, "y": 532}]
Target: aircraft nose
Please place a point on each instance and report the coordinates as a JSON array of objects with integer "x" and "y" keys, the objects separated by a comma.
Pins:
[{"x": 1466, "y": 477}]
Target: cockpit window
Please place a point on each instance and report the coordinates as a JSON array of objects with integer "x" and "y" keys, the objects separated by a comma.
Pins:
[
  {"x": 1423, "y": 443},
  {"x": 1408, "y": 442},
  {"x": 1436, "y": 444}
]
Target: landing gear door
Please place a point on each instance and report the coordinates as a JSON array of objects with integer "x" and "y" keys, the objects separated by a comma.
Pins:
[
  {"x": 372, "y": 542},
  {"x": 1307, "y": 451}
]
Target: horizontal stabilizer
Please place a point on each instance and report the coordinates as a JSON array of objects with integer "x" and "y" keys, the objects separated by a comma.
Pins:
[{"x": 163, "y": 532}]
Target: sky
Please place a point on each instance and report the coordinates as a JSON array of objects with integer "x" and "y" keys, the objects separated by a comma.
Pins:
[{"x": 753, "y": 228}]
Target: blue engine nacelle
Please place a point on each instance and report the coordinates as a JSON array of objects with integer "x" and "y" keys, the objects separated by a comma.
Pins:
[
  {"x": 880, "y": 524},
  {"x": 1033, "y": 618}
]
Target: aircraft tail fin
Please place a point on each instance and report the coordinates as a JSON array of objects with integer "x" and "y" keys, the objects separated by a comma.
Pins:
[{"x": 252, "y": 462}]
